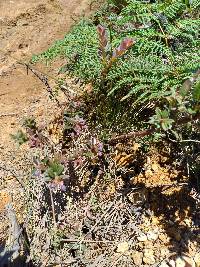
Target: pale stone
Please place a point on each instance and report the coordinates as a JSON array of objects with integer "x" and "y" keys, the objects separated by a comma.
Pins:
[
  {"x": 163, "y": 264},
  {"x": 155, "y": 167},
  {"x": 192, "y": 247},
  {"x": 149, "y": 257},
  {"x": 164, "y": 251},
  {"x": 122, "y": 247},
  {"x": 172, "y": 263},
  {"x": 184, "y": 261},
  {"x": 180, "y": 262},
  {"x": 189, "y": 261},
  {"x": 142, "y": 238},
  {"x": 152, "y": 235},
  {"x": 137, "y": 257},
  {"x": 149, "y": 260},
  {"x": 188, "y": 222},
  {"x": 164, "y": 238},
  {"x": 197, "y": 259}
]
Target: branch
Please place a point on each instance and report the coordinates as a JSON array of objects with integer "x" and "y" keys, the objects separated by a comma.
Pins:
[
  {"x": 43, "y": 78},
  {"x": 124, "y": 137},
  {"x": 8, "y": 114}
]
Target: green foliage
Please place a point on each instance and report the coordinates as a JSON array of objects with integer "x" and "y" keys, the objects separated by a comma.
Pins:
[
  {"x": 80, "y": 48},
  {"x": 20, "y": 137},
  {"x": 161, "y": 119},
  {"x": 119, "y": 4},
  {"x": 196, "y": 92},
  {"x": 30, "y": 123},
  {"x": 181, "y": 110},
  {"x": 54, "y": 169},
  {"x": 165, "y": 54}
]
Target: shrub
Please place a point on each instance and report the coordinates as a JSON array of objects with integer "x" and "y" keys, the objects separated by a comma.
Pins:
[{"x": 165, "y": 54}]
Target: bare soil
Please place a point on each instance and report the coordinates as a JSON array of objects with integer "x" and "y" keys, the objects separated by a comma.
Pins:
[{"x": 27, "y": 28}]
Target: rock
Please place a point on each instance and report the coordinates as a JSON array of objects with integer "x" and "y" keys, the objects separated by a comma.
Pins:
[
  {"x": 149, "y": 256},
  {"x": 148, "y": 244},
  {"x": 172, "y": 263},
  {"x": 154, "y": 220},
  {"x": 137, "y": 257},
  {"x": 189, "y": 262},
  {"x": 180, "y": 262},
  {"x": 164, "y": 264},
  {"x": 149, "y": 260},
  {"x": 155, "y": 167},
  {"x": 197, "y": 259},
  {"x": 188, "y": 222},
  {"x": 122, "y": 247},
  {"x": 192, "y": 248},
  {"x": 141, "y": 245},
  {"x": 142, "y": 238},
  {"x": 164, "y": 238},
  {"x": 184, "y": 261},
  {"x": 22, "y": 22},
  {"x": 152, "y": 235},
  {"x": 164, "y": 252}
]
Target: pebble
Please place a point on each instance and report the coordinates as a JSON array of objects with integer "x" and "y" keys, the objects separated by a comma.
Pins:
[
  {"x": 189, "y": 261},
  {"x": 155, "y": 167},
  {"x": 188, "y": 222},
  {"x": 137, "y": 257},
  {"x": 142, "y": 238},
  {"x": 164, "y": 264},
  {"x": 197, "y": 259},
  {"x": 122, "y": 247},
  {"x": 152, "y": 235},
  {"x": 179, "y": 262},
  {"x": 164, "y": 251},
  {"x": 192, "y": 247},
  {"x": 172, "y": 263},
  {"x": 182, "y": 261},
  {"x": 149, "y": 257},
  {"x": 164, "y": 238},
  {"x": 154, "y": 220}
]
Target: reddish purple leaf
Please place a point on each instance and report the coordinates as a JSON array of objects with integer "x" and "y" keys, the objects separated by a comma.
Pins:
[
  {"x": 122, "y": 48},
  {"x": 103, "y": 38},
  {"x": 101, "y": 30},
  {"x": 126, "y": 43}
]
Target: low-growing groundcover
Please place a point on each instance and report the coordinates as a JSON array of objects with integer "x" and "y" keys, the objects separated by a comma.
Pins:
[{"x": 93, "y": 202}]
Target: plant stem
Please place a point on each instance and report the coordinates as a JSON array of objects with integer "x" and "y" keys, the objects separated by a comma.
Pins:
[{"x": 53, "y": 207}]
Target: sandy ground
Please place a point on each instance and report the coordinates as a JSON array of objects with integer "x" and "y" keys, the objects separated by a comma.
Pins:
[{"x": 27, "y": 28}]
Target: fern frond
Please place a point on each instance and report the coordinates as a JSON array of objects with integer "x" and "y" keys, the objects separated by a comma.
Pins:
[
  {"x": 173, "y": 10},
  {"x": 166, "y": 52}
]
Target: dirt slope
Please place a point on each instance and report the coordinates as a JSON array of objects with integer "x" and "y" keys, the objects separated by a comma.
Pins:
[{"x": 27, "y": 28}]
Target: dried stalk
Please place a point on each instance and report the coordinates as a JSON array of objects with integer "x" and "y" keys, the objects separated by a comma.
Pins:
[{"x": 53, "y": 208}]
